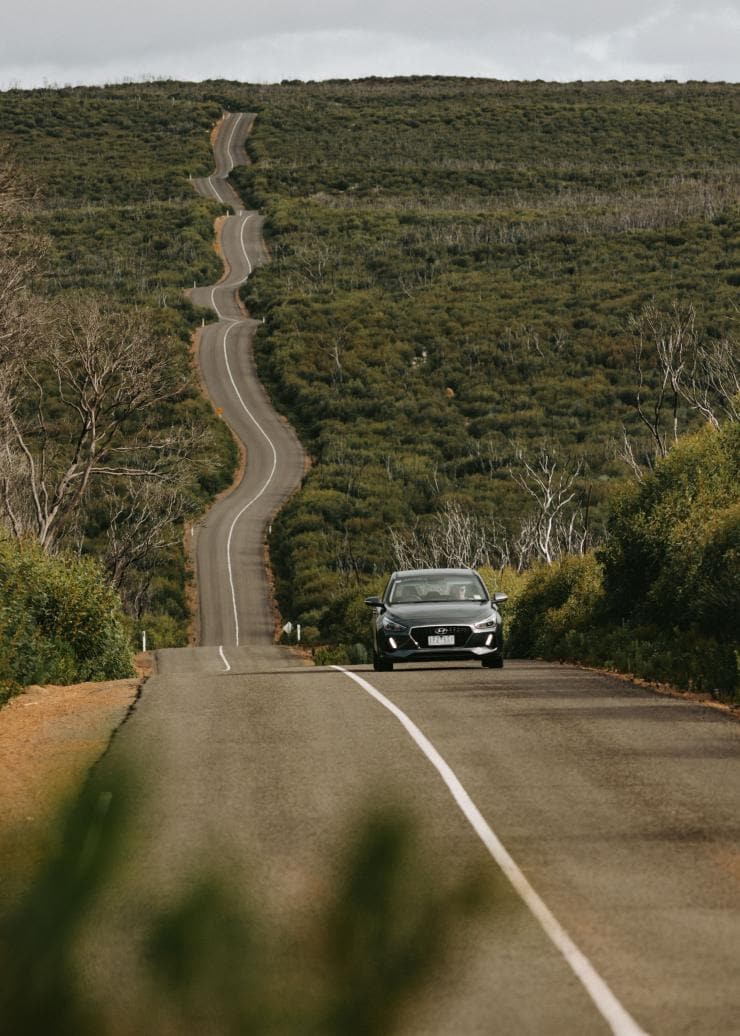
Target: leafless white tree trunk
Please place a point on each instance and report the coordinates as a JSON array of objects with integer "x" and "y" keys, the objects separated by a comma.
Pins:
[
  {"x": 452, "y": 538},
  {"x": 73, "y": 414},
  {"x": 711, "y": 385},
  {"x": 557, "y": 524},
  {"x": 673, "y": 365},
  {"x": 662, "y": 342}
]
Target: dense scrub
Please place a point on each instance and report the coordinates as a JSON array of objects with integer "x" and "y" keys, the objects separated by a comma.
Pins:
[
  {"x": 60, "y": 621},
  {"x": 112, "y": 209},
  {"x": 661, "y": 598},
  {"x": 455, "y": 264}
]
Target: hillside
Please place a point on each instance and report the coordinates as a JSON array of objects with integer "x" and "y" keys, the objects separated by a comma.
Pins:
[
  {"x": 456, "y": 263},
  {"x": 115, "y": 219},
  {"x": 455, "y": 266}
]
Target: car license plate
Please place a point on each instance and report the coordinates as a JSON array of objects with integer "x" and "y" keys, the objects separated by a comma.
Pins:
[{"x": 435, "y": 641}]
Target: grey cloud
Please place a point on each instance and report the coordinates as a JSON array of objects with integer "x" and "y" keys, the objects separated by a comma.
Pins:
[{"x": 93, "y": 41}]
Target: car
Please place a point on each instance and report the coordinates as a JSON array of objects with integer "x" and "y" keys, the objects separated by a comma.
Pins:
[{"x": 436, "y": 614}]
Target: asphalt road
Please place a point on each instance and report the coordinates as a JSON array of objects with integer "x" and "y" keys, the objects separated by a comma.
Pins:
[
  {"x": 619, "y": 806},
  {"x": 609, "y": 814},
  {"x": 235, "y": 602}
]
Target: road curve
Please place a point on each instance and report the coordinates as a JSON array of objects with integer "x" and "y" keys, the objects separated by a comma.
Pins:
[{"x": 235, "y": 601}]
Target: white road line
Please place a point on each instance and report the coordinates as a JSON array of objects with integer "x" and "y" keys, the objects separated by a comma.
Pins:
[
  {"x": 223, "y": 175},
  {"x": 244, "y": 247},
  {"x": 214, "y": 307},
  {"x": 256, "y": 497},
  {"x": 233, "y": 323},
  {"x": 230, "y": 157},
  {"x": 225, "y": 659},
  {"x": 241, "y": 281},
  {"x": 617, "y": 1018}
]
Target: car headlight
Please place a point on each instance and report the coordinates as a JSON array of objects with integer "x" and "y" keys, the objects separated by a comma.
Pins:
[
  {"x": 487, "y": 624},
  {"x": 391, "y": 626}
]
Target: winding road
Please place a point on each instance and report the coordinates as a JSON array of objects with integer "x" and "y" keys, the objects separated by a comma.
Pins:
[
  {"x": 612, "y": 811},
  {"x": 235, "y": 605}
]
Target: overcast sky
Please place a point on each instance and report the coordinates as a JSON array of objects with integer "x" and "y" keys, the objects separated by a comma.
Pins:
[{"x": 99, "y": 41}]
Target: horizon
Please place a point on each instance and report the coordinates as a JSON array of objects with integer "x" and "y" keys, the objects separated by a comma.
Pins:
[{"x": 148, "y": 79}]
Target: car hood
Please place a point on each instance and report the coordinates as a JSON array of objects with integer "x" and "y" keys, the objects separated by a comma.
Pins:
[{"x": 441, "y": 613}]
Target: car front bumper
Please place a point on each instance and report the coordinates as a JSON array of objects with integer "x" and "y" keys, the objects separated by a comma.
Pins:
[{"x": 408, "y": 648}]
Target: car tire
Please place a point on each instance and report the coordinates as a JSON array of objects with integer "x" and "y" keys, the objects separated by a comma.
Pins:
[
  {"x": 494, "y": 662},
  {"x": 381, "y": 665}
]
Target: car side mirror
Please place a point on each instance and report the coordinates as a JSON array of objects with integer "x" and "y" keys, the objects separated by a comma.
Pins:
[
  {"x": 499, "y": 598},
  {"x": 375, "y": 602}
]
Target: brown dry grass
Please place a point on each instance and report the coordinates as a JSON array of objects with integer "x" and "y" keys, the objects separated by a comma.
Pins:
[{"x": 50, "y": 737}]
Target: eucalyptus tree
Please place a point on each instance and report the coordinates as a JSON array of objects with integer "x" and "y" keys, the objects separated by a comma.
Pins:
[
  {"x": 678, "y": 370},
  {"x": 81, "y": 409}
]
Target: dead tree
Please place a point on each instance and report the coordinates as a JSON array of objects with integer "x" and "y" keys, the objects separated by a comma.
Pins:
[
  {"x": 451, "y": 538},
  {"x": 75, "y": 413},
  {"x": 711, "y": 384},
  {"x": 673, "y": 366},
  {"x": 662, "y": 343},
  {"x": 556, "y": 524}
]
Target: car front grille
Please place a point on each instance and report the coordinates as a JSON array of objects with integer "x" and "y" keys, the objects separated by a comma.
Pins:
[{"x": 421, "y": 635}]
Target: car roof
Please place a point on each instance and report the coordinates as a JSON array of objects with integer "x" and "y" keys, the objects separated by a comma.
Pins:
[{"x": 414, "y": 573}]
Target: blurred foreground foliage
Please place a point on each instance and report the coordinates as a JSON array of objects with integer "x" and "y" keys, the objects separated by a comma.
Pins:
[{"x": 209, "y": 961}]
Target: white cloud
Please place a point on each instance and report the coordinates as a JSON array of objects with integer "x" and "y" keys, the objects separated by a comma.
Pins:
[{"x": 99, "y": 41}]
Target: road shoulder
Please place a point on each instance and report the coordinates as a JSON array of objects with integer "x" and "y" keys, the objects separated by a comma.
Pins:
[{"x": 50, "y": 737}]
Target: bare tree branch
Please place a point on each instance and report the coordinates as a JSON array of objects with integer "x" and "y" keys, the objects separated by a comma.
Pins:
[
  {"x": 452, "y": 538},
  {"x": 142, "y": 522},
  {"x": 556, "y": 525},
  {"x": 74, "y": 413},
  {"x": 673, "y": 365}
]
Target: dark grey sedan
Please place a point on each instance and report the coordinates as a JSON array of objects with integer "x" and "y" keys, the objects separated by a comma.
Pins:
[{"x": 436, "y": 615}]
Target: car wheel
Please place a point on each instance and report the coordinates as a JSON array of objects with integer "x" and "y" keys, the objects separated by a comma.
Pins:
[
  {"x": 493, "y": 662},
  {"x": 381, "y": 665}
]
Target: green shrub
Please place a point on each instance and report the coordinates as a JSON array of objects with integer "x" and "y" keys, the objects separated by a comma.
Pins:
[
  {"x": 338, "y": 654},
  {"x": 60, "y": 621},
  {"x": 673, "y": 549},
  {"x": 660, "y": 600},
  {"x": 557, "y": 609},
  {"x": 162, "y": 631},
  {"x": 685, "y": 660}
]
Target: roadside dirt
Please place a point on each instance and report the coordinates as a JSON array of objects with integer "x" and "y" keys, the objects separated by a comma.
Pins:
[
  {"x": 669, "y": 691},
  {"x": 50, "y": 737}
]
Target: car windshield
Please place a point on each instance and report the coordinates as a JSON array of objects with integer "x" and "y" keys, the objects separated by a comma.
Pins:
[{"x": 415, "y": 589}]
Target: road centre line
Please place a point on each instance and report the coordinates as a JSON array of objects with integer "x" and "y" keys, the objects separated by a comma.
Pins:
[
  {"x": 614, "y": 1014},
  {"x": 223, "y": 175},
  {"x": 229, "y": 538},
  {"x": 230, "y": 157},
  {"x": 216, "y": 195},
  {"x": 255, "y": 498},
  {"x": 247, "y": 411},
  {"x": 241, "y": 281},
  {"x": 244, "y": 247}
]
